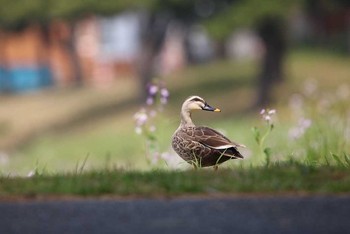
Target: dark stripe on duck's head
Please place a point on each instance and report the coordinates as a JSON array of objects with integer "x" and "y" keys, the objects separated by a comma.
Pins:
[{"x": 196, "y": 99}]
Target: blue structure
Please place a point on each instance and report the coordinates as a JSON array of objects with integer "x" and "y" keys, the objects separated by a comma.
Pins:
[{"x": 25, "y": 78}]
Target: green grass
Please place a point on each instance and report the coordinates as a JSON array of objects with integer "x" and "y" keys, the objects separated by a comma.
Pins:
[{"x": 281, "y": 178}]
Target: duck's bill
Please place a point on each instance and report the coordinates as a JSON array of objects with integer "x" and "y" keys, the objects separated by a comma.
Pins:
[{"x": 209, "y": 108}]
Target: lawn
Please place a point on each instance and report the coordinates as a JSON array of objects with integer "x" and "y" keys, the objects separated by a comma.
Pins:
[
  {"x": 289, "y": 178},
  {"x": 309, "y": 144}
]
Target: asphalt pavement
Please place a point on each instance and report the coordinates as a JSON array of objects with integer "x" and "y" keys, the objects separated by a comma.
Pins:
[{"x": 326, "y": 214}]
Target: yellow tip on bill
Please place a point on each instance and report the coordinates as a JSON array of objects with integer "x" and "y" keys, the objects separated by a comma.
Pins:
[{"x": 217, "y": 110}]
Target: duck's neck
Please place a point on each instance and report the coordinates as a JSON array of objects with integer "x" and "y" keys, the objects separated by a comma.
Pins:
[{"x": 186, "y": 120}]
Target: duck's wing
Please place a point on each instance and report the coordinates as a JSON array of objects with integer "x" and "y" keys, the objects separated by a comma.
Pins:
[{"x": 215, "y": 140}]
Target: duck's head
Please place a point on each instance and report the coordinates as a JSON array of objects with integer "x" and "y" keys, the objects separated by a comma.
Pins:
[{"x": 197, "y": 103}]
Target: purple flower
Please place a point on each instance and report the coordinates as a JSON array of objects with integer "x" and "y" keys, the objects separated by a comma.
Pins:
[
  {"x": 155, "y": 157},
  {"x": 305, "y": 123},
  {"x": 164, "y": 93},
  {"x": 152, "y": 113},
  {"x": 150, "y": 100},
  {"x": 299, "y": 130},
  {"x": 152, "y": 90}
]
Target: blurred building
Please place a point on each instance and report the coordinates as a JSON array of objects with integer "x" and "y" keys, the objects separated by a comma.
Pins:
[
  {"x": 98, "y": 49},
  {"x": 108, "y": 47},
  {"x": 321, "y": 26},
  {"x": 200, "y": 47},
  {"x": 94, "y": 51},
  {"x": 244, "y": 44},
  {"x": 172, "y": 57},
  {"x": 24, "y": 61}
]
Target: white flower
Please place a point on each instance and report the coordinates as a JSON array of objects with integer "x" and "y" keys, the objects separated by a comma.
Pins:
[
  {"x": 305, "y": 123},
  {"x": 171, "y": 159},
  {"x": 140, "y": 117},
  {"x": 138, "y": 130},
  {"x": 267, "y": 118},
  {"x": 267, "y": 114},
  {"x": 4, "y": 158},
  {"x": 31, "y": 174},
  {"x": 272, "y": 112},
  {"x": 166, "y": 156},
  {"x": 299, "y": 130},
  {"x": 294, "y": 133}
]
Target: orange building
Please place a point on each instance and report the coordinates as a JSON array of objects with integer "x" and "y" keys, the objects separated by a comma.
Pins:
[{"x": 61, "y": 54}]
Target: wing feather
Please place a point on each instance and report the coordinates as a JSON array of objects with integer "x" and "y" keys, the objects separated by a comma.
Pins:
[{"x": 214, "y": 139}]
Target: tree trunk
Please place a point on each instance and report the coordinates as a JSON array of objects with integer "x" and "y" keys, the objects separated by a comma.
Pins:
[
  {"x": 221, "y": 50},
  {"x": 273, "y": 38},
  {"x": 152, "y": 37},
  {"x": 4, "y": 76},
  {"x": 146, "y": 70},
  {"x": 74, "y": 57}
]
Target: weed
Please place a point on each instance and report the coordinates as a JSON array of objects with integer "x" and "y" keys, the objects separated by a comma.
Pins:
[
  {"x": 323, "y": 124},
  {"x": 145, "y": 119},
  {"x": 79, "y": 169},
  {"x": 260, "y": 137}
]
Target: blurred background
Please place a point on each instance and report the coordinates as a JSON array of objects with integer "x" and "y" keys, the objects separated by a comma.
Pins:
[{"x": 74, "y": 73}]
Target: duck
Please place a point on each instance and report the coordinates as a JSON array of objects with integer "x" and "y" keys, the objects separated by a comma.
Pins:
[{"x": 202, "y": 146}]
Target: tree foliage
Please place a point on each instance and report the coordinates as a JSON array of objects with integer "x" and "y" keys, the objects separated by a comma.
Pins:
[
  {"x": 14, "y": 13},
  {"x": 246, "y": 13},
  {"x": 220, "y": 16}
]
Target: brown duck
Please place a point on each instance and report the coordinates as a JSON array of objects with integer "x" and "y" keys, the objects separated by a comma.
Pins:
[{"x": 202, "y": 146}]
